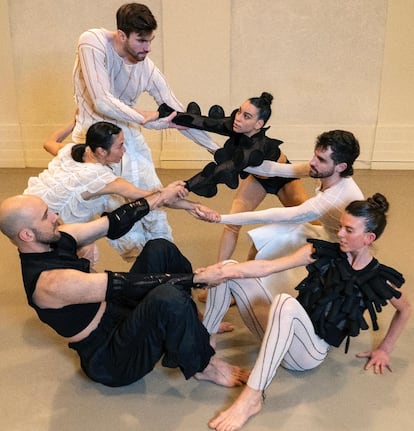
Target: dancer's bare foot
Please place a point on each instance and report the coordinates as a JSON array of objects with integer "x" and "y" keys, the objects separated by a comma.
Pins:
[
  {"x": 222, "y": 373},
  {"x": 225, "y": 327},
  {"x": 248, "y": 404}
]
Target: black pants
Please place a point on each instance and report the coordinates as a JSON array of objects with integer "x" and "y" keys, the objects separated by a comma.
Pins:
[{"x": 164, "y": 324}]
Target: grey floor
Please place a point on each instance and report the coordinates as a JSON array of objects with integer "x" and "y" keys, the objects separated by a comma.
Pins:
[{"x": 42, "y": 388}]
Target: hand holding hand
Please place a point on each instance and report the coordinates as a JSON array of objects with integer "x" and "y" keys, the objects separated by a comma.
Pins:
[
  {"x": 149, "y": 116},
  {"x": 172, "y": 193},
  {"x": 179, "y": 187},
  {"x": 201, "y": 212},
  {"x": 211, "y": 275},
  {"x": 172, "y": 125}
]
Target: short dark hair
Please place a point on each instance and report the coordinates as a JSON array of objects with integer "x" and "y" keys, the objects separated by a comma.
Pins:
[
  {"x": 135, "y": 18},
  {"x": 373, "y": 211},
  {"x": 344, "y": 146}
]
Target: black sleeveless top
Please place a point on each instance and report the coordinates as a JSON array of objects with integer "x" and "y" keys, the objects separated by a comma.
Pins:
[{"x": 71, "y": 319}]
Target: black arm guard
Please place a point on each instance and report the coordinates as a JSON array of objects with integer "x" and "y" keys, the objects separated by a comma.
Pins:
[
  {"x": 129, "y": 286},
  {"x": 215, "y": 122},
  {"x": 123, "y": 218}
]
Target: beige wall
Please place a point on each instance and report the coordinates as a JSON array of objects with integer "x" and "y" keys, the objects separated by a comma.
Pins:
[{"x": 337, "y": 64}]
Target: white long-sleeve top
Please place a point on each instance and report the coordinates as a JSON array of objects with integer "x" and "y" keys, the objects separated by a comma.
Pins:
[
  {"x": 107, "y": 89},
  {"x": 326, "y": 206}
]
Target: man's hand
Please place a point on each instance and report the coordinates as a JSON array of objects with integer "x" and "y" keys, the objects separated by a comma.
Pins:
[
  {"x": 172, "y": 125},
  {"x": 179, "y": 187},
  {"x": 149, "y": 116},
  {"x": 212, "y": 275},
  {"x": 378, "y": 359},
  {"x": 173, "y": 192}
]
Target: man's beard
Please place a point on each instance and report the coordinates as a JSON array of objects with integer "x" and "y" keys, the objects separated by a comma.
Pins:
[
  {"x": 318, "y": 174},
  {"x": 46, "y": 238}
]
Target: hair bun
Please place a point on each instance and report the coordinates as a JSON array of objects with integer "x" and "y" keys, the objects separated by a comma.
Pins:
[
  {"x": 267, "y": 97},
  {"x": 379, "y": 202}
]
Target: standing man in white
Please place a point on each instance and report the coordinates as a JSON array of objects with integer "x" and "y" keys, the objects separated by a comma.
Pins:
[{"x": 112, "y": 69}]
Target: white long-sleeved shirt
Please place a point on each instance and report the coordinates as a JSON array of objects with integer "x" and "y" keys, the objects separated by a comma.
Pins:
[
  {"x": 326, "y": 206},
  {"x": 107, "y": 89}
]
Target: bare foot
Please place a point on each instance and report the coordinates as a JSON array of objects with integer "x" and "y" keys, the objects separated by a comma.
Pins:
[
  {"x": 248, "y": 404},
  {"x": 225, "y": 327},
  {"x": 222, "y": 373}
]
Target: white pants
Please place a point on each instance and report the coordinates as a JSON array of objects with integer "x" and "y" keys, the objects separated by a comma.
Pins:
[
  {"x": 290, "y": 341},
  {"x": 252, "y": 298}
]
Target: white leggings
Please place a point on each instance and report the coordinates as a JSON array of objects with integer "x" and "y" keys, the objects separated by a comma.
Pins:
[
  {"x": 290, "y": 341},
  {"x": 290, "y": 338},
  {"x": 252, "y": 298}
]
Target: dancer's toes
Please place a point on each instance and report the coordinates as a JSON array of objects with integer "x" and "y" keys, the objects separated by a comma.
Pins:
[
  {"x": 225, "y": 327},
  {"x": 247, "y": 405}
]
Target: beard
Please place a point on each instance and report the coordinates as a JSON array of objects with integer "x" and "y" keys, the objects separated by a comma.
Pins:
[
  {"x": 313, "y": 173},
  {"x": 46, "y": 237}
]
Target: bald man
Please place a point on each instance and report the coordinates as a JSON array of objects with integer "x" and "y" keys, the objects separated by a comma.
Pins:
[{"x": 120, "y": 324}]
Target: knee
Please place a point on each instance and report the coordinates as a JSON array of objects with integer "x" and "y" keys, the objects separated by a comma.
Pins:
[
  {"x": 232, "y": 229},
  {"x": 284, "y": 303},
  {"x": 172, "y": 299},
  {"x": 159, "y": 245}
]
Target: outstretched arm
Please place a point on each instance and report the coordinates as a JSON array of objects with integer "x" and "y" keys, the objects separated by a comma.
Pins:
[
  {"x": 379, "y": 358},
  {"x": 275, "y": 169},
  {"x": 124, "y": 188},
  {"x": 308, "y": 211},
  {"x": 197, "y": 210},
  {"x": 116, "y": 223},
  {"x": 218, "y": 273},
  {"x": 60, "y": 287}
]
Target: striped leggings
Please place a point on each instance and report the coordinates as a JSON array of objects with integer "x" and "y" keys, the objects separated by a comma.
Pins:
[{"x": 283, "y": 326}]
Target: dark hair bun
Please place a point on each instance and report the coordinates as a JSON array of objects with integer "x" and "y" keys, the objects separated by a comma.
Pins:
[
  {"x": 267, "y": 97},
  {"x": 77, "y": 152},
  {"x": 379, "y": 202}
]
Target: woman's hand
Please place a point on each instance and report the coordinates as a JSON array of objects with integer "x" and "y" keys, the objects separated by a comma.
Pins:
[
  {"x": 201, "y": 212},
  {"x": 378, "y": 359}
]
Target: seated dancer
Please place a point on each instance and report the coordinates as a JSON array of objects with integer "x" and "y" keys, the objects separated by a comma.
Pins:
[
  {"x": 79, "y": 180},
  {"x": 119, "y": 323},
  {"x": 344, "y": 280}
]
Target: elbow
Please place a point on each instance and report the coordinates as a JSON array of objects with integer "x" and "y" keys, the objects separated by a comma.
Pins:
[{"x": 101, "y": 107}]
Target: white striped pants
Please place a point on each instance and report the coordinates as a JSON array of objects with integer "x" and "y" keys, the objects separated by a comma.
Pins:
[{"x": 289, "y": 339}]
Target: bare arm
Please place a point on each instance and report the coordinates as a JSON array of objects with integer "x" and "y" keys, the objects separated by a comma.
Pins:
[
  {"x": 197, "y": 210},
  {"x": 60, "y": 287},
  {"x": 86, "y": 233},
  {"x": 379, "y": 358},
  {"x": 55, "y": 141},
  {"x": 120, "y": 187},
  {"x": 218, "y": 273}
]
